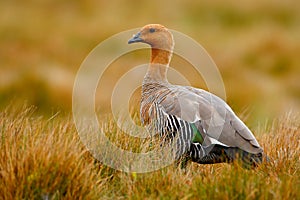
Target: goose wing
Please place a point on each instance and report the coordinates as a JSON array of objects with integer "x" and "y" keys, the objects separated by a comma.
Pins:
[{"x": 211, "y": 116}]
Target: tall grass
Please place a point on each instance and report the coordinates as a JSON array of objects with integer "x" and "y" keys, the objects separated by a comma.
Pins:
[{"x": 44, "y": 159}]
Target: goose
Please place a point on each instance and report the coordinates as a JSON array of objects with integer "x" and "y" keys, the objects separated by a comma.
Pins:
[{"x": 206, "y": 129}]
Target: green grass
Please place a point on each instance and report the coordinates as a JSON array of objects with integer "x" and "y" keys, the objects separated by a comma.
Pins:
[{"x": 42, "y": 157}]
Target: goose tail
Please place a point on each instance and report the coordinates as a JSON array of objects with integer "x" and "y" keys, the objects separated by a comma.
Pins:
[{"x": 218, "y": 154}]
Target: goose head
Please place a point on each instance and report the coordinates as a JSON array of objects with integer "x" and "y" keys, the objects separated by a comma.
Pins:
[{"x": 156, "y": 35}]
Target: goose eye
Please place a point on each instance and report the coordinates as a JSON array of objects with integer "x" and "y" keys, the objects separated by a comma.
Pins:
[{"x": 151, "y": 30}]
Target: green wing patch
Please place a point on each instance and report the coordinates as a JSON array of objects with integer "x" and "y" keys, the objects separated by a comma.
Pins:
[{"x": 197, "y": 135}]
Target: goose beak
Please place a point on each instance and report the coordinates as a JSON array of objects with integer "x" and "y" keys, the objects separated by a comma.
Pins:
[{"x": 136, "y": 38}]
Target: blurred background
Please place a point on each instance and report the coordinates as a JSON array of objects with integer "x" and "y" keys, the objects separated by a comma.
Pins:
[{"x": 255, "y": 44}]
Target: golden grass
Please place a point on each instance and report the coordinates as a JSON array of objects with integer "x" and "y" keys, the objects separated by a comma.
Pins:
[
  {"x": 44, "y": 158},
  {"x": 254, "y": 44},
  {"x": 41, "y": 158}
]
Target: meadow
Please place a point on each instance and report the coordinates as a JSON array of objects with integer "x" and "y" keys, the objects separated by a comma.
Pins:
[
  {"x": 43, "y": 158},
  {"x": 255, "y": 45}
]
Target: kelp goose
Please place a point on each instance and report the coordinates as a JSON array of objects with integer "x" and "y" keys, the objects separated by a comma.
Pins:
[{"x": 207, "y": 129}]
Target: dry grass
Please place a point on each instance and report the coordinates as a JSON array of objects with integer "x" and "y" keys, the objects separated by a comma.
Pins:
[
  {"x": 254, "y": 44},
  {"x": 44, "y": 158}
]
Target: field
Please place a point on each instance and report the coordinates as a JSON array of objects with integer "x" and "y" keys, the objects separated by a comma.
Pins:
[
  {"x": 43, "y": 158},
  {"x": 255, "y": 45}
]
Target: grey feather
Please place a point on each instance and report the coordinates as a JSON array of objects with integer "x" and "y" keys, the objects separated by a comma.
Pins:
[{"x": 209, "y": 113}]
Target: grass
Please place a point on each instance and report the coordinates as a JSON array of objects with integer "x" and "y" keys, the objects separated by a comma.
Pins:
[
  {"x": 44, "y": 159},
  {"x": 254, "y": 44}
]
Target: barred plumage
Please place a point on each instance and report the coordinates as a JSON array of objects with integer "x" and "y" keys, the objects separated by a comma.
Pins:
[{"x": 203, "y": 126}]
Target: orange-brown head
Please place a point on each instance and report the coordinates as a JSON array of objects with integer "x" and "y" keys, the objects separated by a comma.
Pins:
[{"x": 156, "y": 35}]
